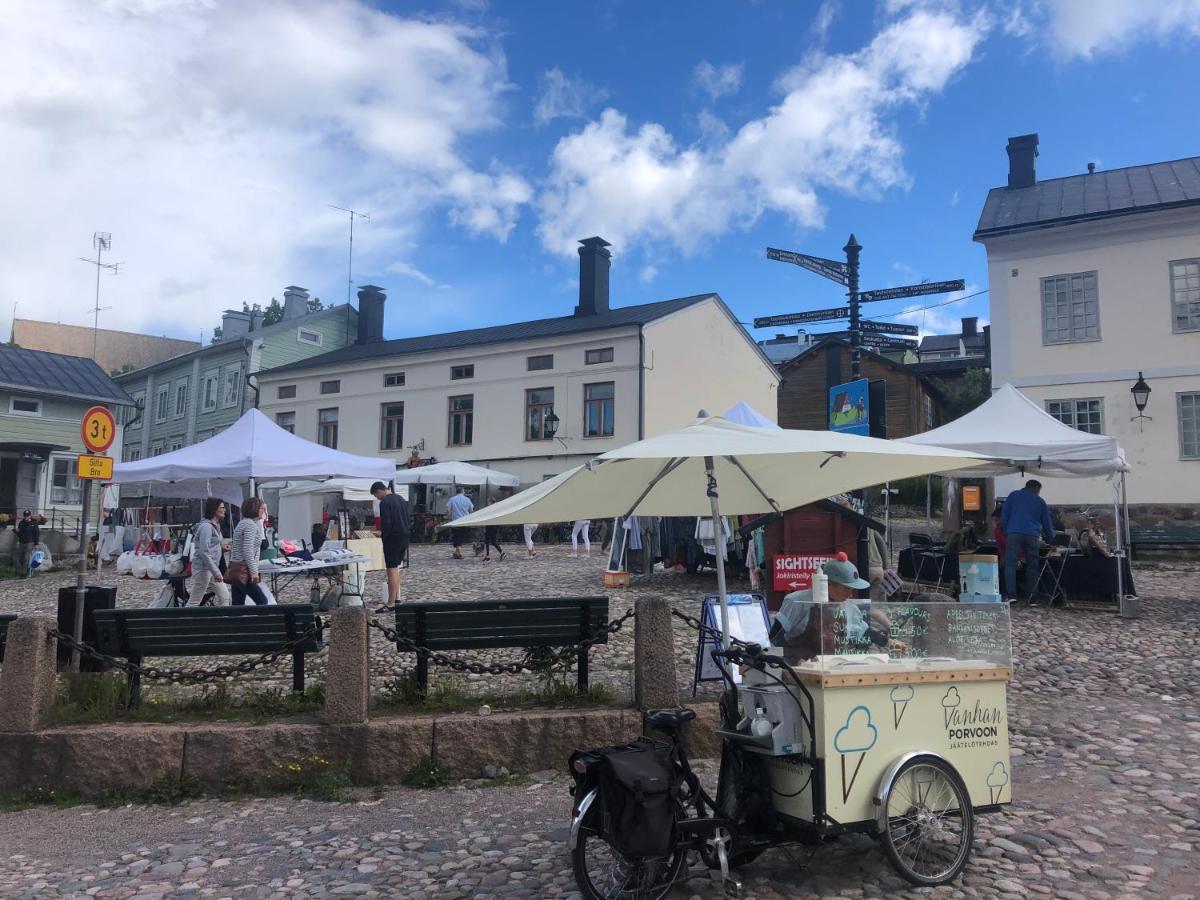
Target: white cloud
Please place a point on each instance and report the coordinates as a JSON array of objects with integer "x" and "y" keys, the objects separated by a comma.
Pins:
[
  {"x": 208, "y": 137},
  {"x": 1086, "y": 28},
  {"x": 827, "y": 12},
  {"x": 647, "y": 274},
  {"x": 565, "y": 97},
  {"x": 718, "y": 81},
  {"x": 937, "y": 315},
  {"x": 831, "y": 130},
  {"x": 954, "y": 199}
]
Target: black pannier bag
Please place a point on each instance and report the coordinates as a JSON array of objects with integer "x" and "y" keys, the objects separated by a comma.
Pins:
[{"x": 638, "y": 793}]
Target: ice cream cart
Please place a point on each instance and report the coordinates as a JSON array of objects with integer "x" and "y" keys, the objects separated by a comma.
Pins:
[{"x": 888, "y": 719}]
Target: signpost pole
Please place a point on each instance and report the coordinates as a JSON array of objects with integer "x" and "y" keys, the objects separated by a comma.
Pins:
[
  {"x": 853, "y": 248},
  {"x": 80, "y": 590}
]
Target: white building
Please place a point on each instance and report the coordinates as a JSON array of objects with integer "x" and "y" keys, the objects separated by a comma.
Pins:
[
  {"x": 609, "y": 376},
  {"x": 1095, "y": 278}
]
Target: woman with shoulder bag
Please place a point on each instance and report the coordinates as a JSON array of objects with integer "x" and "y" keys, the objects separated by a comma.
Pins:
[
  {"x": 242, "y": 572},
  {"x": 206, "y": 554}
]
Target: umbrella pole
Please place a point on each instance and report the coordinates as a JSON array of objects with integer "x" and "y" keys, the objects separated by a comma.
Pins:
[{"x": 719, "y": 537}]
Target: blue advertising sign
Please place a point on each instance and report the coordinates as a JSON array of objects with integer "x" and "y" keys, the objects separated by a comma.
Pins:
[{"x": 848, "y": 408}]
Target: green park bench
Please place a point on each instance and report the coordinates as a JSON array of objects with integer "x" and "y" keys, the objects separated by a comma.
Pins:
[
  {"x": 4, "y": 620},
  {"x": 488, "y": 624},
  {"x": 1164, "y": 537},
  {"x": 135, "y": 634}
]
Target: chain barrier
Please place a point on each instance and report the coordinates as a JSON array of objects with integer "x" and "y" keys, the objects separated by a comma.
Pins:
[
  {"x": 707, "y": 630},
  {"x": 188, "y": 676},
  {"x": 539, "y": 659}
]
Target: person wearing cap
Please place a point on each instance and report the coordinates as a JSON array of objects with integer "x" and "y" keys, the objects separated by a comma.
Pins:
[
  {"x": 28, "y": 537},
  {"x": 800, "y": 634}
]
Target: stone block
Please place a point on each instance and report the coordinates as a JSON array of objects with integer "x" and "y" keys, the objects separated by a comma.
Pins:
[
  {"x": 347, "y": 670},
  {"x": 655, "y": 684},
  {"x": 27, "y": 677},
  {"x": 700, "y": 738},
  {"x": 91, "y": 759},
  {"x": 526, "y": 741}
]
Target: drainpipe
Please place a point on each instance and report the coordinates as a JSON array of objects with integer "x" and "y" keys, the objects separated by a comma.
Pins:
[
  {"x": 254, "y": 387},
  {"x": 641, "y": 383}
]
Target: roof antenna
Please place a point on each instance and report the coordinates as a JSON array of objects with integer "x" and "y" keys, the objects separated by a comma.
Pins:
[{"x": 101, "y": 240}]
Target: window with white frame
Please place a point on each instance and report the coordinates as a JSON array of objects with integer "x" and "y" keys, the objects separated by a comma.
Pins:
[
  {"x": 231, "y": 386},
  {"x": 1086, "y": 414},
  {"x": 539, "y": 404},
  {"x": 599, "y": 409},
  {"x": 286, "y": 421},
  {"x": 461, "y": 426},
  {"x": 538, "y": 363},
  {"x": 597, "y": 356},
  {"x": 132, "y": 454},
  {"x": 331, "y": 387},
  {"x": 286, "y": 392},
  {"x": 132, "y": 416},
  {"x": 176, "y": 443},
  {"x": 457, "y": 373},
  {"x": 393, "y": 379},
  {"x": 308, "y": 336},
  {"x": 1185, "y": 295},
  {"x": 24, "y": 406},
  {"x": 327, "y": 427},
  {"x": 212, "y": 389},
  {"x": 65, "y": 486},
  {"x": 1070, "y": 308},
  {"x": 162, "y": 404},
  {"x": 181, "y": 398},
  {"x": 1189, "y": 425},
  {"x": 391, "y": 426}
]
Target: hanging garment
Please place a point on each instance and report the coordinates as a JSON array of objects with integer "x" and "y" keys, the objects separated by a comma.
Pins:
[{"x": 707, "y": 536}]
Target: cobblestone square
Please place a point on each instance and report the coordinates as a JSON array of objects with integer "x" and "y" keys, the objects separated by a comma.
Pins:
[{"x": 1105, "y": 732}]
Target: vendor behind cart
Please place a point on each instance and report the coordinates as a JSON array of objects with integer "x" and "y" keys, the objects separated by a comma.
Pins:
[{"x": 796, "y": 631}]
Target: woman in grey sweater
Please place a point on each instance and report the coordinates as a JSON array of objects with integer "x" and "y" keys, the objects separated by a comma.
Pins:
[
  {"x": 206, "y": 554},
  {"x": 242, "y": 573}
]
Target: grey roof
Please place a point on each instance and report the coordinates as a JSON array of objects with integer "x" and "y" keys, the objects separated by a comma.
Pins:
[
  {"x": 1099, "y": 195},
  {"x": 40, "y": 372},
  {"x": 518, "y": 331},
  {"x": 227, "y": 343},
  {"x": 939, "y": 342}
]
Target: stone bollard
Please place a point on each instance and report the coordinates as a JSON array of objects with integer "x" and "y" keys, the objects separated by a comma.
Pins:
[
  {"x": 654, "y": 655},
  {"x": 27, "y": 675},
  {"x": 347, "y": 669}
]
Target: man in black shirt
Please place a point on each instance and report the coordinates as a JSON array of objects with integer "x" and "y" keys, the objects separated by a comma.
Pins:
[
  {"x": 394, "y": 529},
  {"x": 28, "y": 538}
]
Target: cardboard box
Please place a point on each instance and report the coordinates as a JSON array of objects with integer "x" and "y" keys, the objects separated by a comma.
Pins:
[{"x": 616, "y": 579}]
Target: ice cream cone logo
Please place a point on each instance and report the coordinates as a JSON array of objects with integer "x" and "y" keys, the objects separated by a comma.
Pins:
[
  {"x": 901, "y": 695},
  {"x": 950, "y": 702},
  {"x": 996, "y": 781},
  {"x": 857, "y": 736}
]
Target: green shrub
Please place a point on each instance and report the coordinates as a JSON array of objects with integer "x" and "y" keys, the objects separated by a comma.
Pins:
[{"x": 425, "y": 774}]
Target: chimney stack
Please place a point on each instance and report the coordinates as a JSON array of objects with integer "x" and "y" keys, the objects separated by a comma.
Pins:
[
  {"x": 970, "y": 326},
  {"x": 234, "y": 324},
  {"x": 1022, "y": 154},
  {"x": 256, "y": 319},
  {"x": 295, "y": 302},
  {"x": 594, "y": 262},
  {"x": 370, "y": 314}
]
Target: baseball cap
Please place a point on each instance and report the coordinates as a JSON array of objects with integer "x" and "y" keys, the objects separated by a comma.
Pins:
[{"x": 843, "y": 572}]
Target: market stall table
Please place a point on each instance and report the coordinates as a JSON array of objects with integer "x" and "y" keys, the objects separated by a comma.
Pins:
[{"x": 285, "y": 572}]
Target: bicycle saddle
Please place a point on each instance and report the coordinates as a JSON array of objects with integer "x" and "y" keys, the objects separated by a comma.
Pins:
[{"x": 668, "y": 719}]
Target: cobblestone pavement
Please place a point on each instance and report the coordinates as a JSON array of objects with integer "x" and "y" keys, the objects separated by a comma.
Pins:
[{"x": 1105, "y": 730}]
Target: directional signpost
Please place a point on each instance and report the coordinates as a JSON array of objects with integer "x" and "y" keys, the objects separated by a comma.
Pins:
[
  {"x": 913, "y": 290},
  {"x": 830, "y": 268},
  {"x": 815, "y": 315},
  {"x": 888, "y": 328},
  {"x": 98, "y": 430}
]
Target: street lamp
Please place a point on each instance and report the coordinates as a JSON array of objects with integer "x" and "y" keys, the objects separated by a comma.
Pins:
[
  {"x": 1141, "y": 396},
  {"x": 550, "y": 425}
]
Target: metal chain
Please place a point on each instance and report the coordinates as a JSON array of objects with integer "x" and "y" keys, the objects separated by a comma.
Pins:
[
  {"x": 531, "y": 662},
  {"x": 187, "y": 676},
  {"x": 707, "y": 630}
]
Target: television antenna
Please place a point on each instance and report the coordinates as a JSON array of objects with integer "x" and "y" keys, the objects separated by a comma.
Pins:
[
  {"x": 354, "y": 214},
  {"x": 101, "y": 240}
]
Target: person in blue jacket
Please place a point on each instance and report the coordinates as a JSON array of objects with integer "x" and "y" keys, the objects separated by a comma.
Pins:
[{"x": 1025, "y": 514}]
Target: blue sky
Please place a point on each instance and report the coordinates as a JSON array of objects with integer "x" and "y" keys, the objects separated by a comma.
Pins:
[{"x": 485, "y": 138}]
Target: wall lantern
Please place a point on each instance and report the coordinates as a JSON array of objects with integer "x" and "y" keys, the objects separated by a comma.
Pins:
[
  {"x": 550, "y": 425},
  {"x": 1141, "y": 396}
]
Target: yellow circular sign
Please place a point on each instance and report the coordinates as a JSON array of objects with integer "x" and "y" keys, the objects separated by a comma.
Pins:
[{"x": 99, "y": 429}]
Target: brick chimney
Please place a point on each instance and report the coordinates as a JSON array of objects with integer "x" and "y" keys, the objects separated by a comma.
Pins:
[
  {"x": 1022, "y": 156},
  {"x": 370, "y": 314},
  {"x": 594, "y": 262},
  {"x": 295, "y": 302}
]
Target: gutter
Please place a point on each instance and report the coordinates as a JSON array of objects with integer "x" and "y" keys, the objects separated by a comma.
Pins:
[{"x": 641, "y": 382}]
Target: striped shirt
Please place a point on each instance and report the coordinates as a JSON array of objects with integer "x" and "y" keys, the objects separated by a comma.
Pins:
[{"x": 247, "y": 544}]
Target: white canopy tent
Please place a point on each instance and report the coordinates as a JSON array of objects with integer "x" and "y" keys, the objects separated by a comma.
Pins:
[
  {"x": 301, "y": 502},
  {"x": 751, "y": 469},
  {"x": 743, "y": 413},
  {"x": 456, "y": 473},
  {"x": 252, "y": 448},
  {"x": 1021, "y": 437}
]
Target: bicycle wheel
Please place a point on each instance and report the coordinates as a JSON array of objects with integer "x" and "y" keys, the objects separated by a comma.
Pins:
[
  {"x": 930, "y": 822},
  {"x": 603, "y": 873}
]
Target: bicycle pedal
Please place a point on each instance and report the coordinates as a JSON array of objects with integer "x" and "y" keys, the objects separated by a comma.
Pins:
[{"x": 733, "y": 888}]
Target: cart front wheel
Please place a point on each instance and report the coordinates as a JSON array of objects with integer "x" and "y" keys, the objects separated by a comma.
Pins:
[{"x": 930, "y": 822}]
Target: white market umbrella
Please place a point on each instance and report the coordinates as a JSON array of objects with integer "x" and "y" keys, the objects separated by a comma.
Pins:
[
  {"x": 456, "y": 473},
  {"x": 253, "y": 447},
  {"x": 756, "y": 470}
]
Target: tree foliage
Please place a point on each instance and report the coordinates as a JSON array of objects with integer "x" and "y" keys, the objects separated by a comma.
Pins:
[{"x": 964, "y": 394}]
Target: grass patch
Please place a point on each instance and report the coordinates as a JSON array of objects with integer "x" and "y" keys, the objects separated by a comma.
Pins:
[
  {"x": 310, "y": 776},
  {"x": 91, "y": 697},
  {"x": 448, "y": 694},
  {"x": 165, "y": 790},
  {"x": 8, "y": 570},
  {"x": 425, "y": 774}
]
